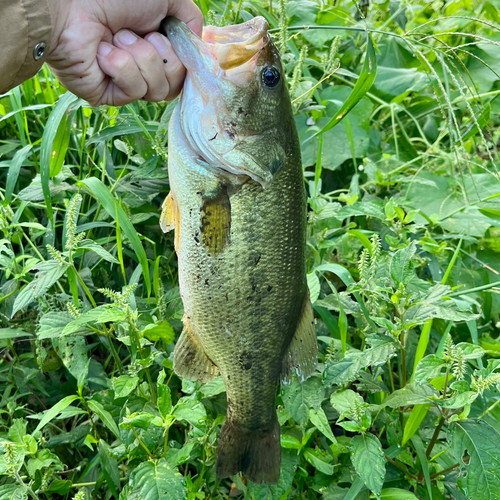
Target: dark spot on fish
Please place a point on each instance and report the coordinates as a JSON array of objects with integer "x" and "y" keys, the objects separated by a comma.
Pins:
[
  {"x": 249, "y": 298},
  {"x": 227, "y": 297},
  {"x": 210, "y": 298},
  {"x": 269, "y": 288},
  {"x": 230, "y": 135},
  {"x": 258, "y": 259},
  {"x": 216, "y": 134},
  {"x": 206, "y": 282},
  {"x": 199, "y": 192},
  {"x": 247, "y": 366},
  {"x": 240, "y": 110},
  {"x": 228, "y": 400},
  {"x": 254, "y": 287},
  {"x": 246, "y": 360},
  {"x": 197, "y": 237},
  {"x": 200, "y": 158}
]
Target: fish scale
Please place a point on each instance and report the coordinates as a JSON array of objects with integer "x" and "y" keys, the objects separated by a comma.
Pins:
[{"x": 241, "y": 244}]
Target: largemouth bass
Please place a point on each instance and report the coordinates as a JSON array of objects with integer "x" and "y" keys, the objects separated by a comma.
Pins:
[{"x": 238, "y": 207}]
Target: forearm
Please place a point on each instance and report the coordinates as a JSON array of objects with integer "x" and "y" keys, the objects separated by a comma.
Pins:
[{"x": 25, "y": 36}]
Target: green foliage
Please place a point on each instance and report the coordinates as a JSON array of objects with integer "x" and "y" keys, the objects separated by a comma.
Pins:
[{"x": 396, "y": 108}]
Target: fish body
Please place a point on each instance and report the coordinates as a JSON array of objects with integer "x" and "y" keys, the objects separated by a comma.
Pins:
[{"x": 238, "y": 207}]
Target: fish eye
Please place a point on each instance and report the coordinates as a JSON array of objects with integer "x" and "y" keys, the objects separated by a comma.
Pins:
[{"x": 270, "y": 76}]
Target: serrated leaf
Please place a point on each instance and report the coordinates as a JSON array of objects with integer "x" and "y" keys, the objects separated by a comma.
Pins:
[
  {"x": 159, "y": 331},
  {"x": 157, "y": 481},
  {"x": 124, "y": 385},
  {"x": 320, "y": 421},
  {"x": 299, "y": 398},
  {"x": 410, "y": 395},
  {"x": 480, "y": 441},
  {"x": 99, "y": 250},
  {"x": 368, "y": 459},
  {"x": 345, "y": 402},
  {"x": 48, "y": 273},
  {"x": 192, "y": 411},
  {"x": 429, "y": 367},
  {"x": 13, "y": 492},
  {"x": 319, "y": 460},
  {"x": 401, "y": 266}
]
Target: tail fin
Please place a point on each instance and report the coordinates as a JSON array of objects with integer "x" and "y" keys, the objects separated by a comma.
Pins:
[{"x": 256, "y": 453}]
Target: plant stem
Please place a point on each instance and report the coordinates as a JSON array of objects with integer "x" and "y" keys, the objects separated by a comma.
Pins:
[
  {"x": 440, "y": 473},
  {"x": 401, "y": 468},
  {"x": 435, "y": 437},
  {"x": 142, "y": 444}
]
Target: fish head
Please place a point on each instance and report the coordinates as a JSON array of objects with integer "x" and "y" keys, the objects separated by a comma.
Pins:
[{"x": 235, "y": 108}]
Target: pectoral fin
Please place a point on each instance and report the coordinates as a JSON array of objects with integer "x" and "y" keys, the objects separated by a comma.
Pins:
[
  {"x": 170, "y": 218},
  {"x": 190, "y": 360},
  {"x": 215, "y": 221},
  {"x": 302, "y": 355}
]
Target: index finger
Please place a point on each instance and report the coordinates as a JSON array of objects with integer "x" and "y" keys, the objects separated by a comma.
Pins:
[{"x": 188, "y": 12}]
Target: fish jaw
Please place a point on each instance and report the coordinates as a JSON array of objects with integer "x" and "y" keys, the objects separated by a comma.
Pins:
[{"x": 223, "y": 63}]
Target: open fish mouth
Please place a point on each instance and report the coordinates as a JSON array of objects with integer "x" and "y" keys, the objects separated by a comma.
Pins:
[{"x": 221, "y": 49}]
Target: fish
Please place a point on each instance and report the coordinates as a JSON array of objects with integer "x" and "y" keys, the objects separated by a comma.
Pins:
[{"x": 237, "y": 204}]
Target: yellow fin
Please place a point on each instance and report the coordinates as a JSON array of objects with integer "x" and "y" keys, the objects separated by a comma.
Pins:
[
  {"x": 215, "y": 221},
  {"x": 190, "y": 360},
  {"x": 170, "y": 219},
  {"x": 301, "y": 357}
]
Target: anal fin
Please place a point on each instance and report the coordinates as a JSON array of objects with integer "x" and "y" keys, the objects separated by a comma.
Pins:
[
  {"x": 190, "y": 360},
  {"x": 301, "y": 357},
  {"x": 170, "y": 219}
]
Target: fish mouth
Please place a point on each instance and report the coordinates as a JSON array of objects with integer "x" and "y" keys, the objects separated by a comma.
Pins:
[{"x": 221, "y": 49}]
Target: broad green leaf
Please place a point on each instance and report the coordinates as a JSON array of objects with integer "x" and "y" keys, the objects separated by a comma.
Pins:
[
  {"x": 362, "y": 86},
  {"x": 192, "y": 411},
  {"x": 54, "y": 411},
  {"x": 314, "y": 286},
  {"x": 13, "y": 492},
  {"x": 368, "y": 208},
  {"x": 105, "y": 416},
  {"x": 416, "y": 417},
  {"x": 111, "y": 205},
  {"x": 124, "y": 385},
  {"x": 397, "y": 494},
  {"x": 345, "y": 402},
  {"x": 401, "y": 266},
  {"x": 44, "y": 459},
  {"x": 48, "y": 273},
  {"x": 73, "y": 352},
  {"x": 299, "y": 398},
  {"x": 14, "y": 169},
  {"x": 481, "y": 442},
  {"x": 109, "y": 467},
  {"x": 157, "y": 481},
  {"x": 368, "y": 459},
  {"x": 410, "y": 395},
  {"x": 319, "y": 460},
  {"x": 429, "y": 367},
  {"x": 212, "y": 388},
  {"x": 159, "y": 331}
]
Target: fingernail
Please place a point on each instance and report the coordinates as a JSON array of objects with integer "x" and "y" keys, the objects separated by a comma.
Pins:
[
  {"x": 104, "y": 49},
  {"x": 158, "y": 42},
  {"x": 126, "y": 37}
]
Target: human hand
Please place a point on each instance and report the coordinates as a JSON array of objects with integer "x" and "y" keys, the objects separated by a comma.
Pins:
[{"x": 97, "y": 55}]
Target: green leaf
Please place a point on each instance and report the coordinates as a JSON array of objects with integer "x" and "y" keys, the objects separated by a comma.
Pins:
[
  {"x": 482, "y": 120},
  {"x": 48, "y": 273},
  {"x": 319, "y": 459},
  {"x": 54, "y": 411},
  {"x": 109, "y": 468},
  {"x": 429, "y": 367},
  {"x": 98, "y": 249},
  {"x": 111, "y": 205},
  {"x": 73, "y": 352},
  {"x": 299, "y": 398},
  {"x": 105, "y": 417},
  {"x": 192, "y": 411},
  {"x": 159, "y": 331},
  {"x": 345, "y": 402},
  {"x": 57, "y": 116},
  {"x": 362, "y": 86},
  {"x": 368, "y": 459},
  {"x": 320, "y": 421},
  {"x": 422, "y": 457},
  {"x": 13, "y": 333},
  {"x": 124, "y": 385},
  {"x": 13, "y": 173},
  {"x": 410, "y": 395},
  {"x": 367, "y": 208},
  {"x": 13, "y": 492},
  {"x": 157, "y": 481},
  {"x": 480, "y": 441},
  {"x": 397, "y": 494},
  {"x": 401, "y": 266},
  {"x": 164, "y": 396},
  {"x": 417, "y": 415}
]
